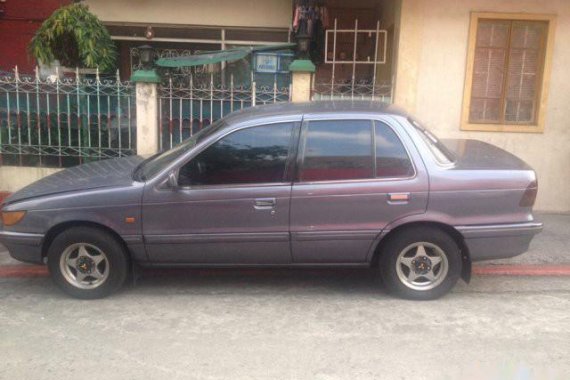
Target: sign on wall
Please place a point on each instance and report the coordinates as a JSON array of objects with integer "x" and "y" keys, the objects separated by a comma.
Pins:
[{"x": 272, "y": 63}]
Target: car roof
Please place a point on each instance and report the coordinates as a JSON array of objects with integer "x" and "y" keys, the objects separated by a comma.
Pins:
[{"x": 315, "y": 107}]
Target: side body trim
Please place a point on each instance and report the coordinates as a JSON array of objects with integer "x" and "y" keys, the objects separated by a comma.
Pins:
[
  {"x": 217, "y": 238},
  {"x": 21, "y": 238},
  {"x": 529, "y": 228}
]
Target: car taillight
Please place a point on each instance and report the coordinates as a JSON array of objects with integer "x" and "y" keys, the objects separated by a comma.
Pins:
[{"x": 529, "y": 195}]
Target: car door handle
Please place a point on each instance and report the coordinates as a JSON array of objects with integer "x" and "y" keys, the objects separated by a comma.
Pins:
[
  {"x": 264, "y": 203},
  {"x": 398, "y": 198}
]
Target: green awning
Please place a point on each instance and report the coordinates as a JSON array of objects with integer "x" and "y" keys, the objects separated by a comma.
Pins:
[{"x": 218, "y": 56}]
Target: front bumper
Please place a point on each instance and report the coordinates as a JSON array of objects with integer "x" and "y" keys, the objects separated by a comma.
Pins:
[
  {"x": 23, "y": 246},
  {"x": 500, "y": 241}
]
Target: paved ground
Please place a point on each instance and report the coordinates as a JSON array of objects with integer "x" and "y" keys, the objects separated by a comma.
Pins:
[
  {"x": 286, "y": 325},
  {"x": 293, "y": 324},
  {"x": 549, "y": 247}
]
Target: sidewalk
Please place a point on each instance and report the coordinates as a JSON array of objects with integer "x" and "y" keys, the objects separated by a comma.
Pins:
[{"x": 549, "y": 254}]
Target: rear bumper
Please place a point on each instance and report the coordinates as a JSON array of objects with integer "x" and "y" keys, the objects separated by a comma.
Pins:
[
  {"x": 23, "y": 246},
  {"x": 500, "y": 241}
]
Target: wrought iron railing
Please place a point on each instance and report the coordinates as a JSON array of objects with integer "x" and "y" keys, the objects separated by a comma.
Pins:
[
  {"x": 381, "y": 91},
  {"x": 63, "y": 120},
  {"x": 186, "y": 106}
]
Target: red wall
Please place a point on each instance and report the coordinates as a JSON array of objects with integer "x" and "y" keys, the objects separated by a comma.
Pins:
[{"x": 19, "y": 20}]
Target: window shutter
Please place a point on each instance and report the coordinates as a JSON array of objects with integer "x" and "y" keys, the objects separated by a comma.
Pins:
[
  {"x": 507, "y": 71},
  {"x": 489, "y": 71},
  {"x": 524, "y": 71}
]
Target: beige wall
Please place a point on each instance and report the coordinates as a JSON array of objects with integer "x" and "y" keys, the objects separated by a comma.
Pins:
[
  {"x": 431, "y": 74},
  {"x": 248, "y": 13},
  {"x": 13, "y": 178}
]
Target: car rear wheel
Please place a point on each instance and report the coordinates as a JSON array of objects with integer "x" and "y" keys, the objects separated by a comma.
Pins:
[
  {"x": 420, "y": 263},
  {"x": 87, "y": 263}
]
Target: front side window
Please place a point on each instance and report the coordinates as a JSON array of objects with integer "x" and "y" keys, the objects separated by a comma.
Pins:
[
  {"x": 155, "y": 164},
  {"x": 251, "y": 155},
  {"x": 508, "y": 60}
]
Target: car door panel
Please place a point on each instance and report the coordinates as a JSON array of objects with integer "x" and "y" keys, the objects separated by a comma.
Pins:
[
  {"x": 218, "y": 225},
  {"x": 214, "y": 218},
  {"x": 337, "y": 221}
]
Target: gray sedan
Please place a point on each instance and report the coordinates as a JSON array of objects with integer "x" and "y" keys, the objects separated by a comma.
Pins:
[{"x": 297, "y": 185}]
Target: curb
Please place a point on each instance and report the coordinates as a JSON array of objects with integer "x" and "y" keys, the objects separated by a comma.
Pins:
[
  {"x": 26, "y": 271},
  {"x": 522, "y": 270},
  {"x": 8, "y": 271}
]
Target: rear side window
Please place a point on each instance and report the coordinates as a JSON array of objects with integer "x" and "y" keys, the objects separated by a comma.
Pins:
[
  {"x": 251, "y": 155},
  {"x": 352, "y": 149},
  {"x": 392, "y": 160},
  {"x": 337, "y": 150}
]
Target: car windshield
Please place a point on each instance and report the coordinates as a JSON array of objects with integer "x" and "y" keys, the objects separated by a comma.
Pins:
[
  {"x": 154, "y": 164},
  {"x": 437, "y": 148}
]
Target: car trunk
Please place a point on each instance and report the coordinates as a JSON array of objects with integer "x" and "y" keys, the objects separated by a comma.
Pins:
[{"x": 479, "y": 155}]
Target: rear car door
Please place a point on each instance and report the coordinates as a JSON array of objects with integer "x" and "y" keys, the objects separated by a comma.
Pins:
[
  {"x": 231, "y": 205},
  {"x": 354, "y": 176}
]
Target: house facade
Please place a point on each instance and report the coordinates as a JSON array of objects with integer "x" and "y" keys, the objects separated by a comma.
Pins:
[
  {"x": 446, "y": 72},
  {"x": 493, "y": 70}
]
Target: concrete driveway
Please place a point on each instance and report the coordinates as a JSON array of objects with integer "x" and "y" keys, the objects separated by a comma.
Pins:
[
  {"x": 286, "y": 325},
  {"x": 293, "y": 324}
]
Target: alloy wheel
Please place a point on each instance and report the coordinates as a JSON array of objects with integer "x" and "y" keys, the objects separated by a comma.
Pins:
[
  {"x": 422, "y": 266},
  {"x": 84, "y": 266}
]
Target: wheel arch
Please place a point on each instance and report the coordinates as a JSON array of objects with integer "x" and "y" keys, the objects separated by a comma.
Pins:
[
  {"x": 59, "y": 228},
  {"x": 450, "y": 230}
]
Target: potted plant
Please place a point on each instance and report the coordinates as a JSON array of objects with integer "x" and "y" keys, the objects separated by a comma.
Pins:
[{"x": 75, "y": 38}]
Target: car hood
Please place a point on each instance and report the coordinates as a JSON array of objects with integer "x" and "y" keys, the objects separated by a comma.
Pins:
[
  {"x": 479, "y": 155},
  {"x": 106, "y": 173}
]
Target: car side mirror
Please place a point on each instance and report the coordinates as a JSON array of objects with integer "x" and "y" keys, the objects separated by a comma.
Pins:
[{"x": 172, "y": 180}]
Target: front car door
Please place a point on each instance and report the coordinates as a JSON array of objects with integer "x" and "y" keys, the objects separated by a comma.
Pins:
[
  {"x": 354, "y": 176},
  {"x": 231, "y": 205}
]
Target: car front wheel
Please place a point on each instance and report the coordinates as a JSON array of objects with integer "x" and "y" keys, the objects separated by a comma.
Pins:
[
  {"x": 87, "y": 262},
  {"x": 420, "y": 263}
]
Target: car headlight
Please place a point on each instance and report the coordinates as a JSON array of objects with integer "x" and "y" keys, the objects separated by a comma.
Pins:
[{"x": 9, "y": 218}]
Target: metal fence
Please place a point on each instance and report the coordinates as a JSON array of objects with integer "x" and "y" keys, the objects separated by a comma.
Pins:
[
  {"x": 63, "y": 120},
  {"x": 186, "y": 106},
  {"x": 381, "y": 91}
]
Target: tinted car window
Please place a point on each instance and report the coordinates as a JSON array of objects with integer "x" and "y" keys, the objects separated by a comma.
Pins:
[
  {"x": 337, "y": 150},
  {"x": 392, "y": 160},
  {"x": 153, "y": 165},
  {"x": 252, "y": 155}
]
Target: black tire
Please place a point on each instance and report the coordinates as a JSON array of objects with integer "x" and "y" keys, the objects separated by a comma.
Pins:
[
  {"x": 116, "y": 257},
  {"x": 435, "y": 237}
]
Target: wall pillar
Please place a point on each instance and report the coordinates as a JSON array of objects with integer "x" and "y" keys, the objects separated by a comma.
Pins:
[
  {"x": 147, "y": 110},
  {"x": 302, "y": 71},
  {"x": 410, "y": 43}
]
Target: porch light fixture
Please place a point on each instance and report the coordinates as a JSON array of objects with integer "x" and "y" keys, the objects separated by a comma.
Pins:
[
  {"x": 303, "y": 45},
  {"x": 146, "y": 53}
]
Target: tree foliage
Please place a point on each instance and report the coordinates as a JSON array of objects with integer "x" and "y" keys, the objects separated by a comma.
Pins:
[{"x": 76, "y": 38}]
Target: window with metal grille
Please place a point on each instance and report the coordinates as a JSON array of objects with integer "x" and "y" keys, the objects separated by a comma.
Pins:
[{"x": 507, "y": 71}]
